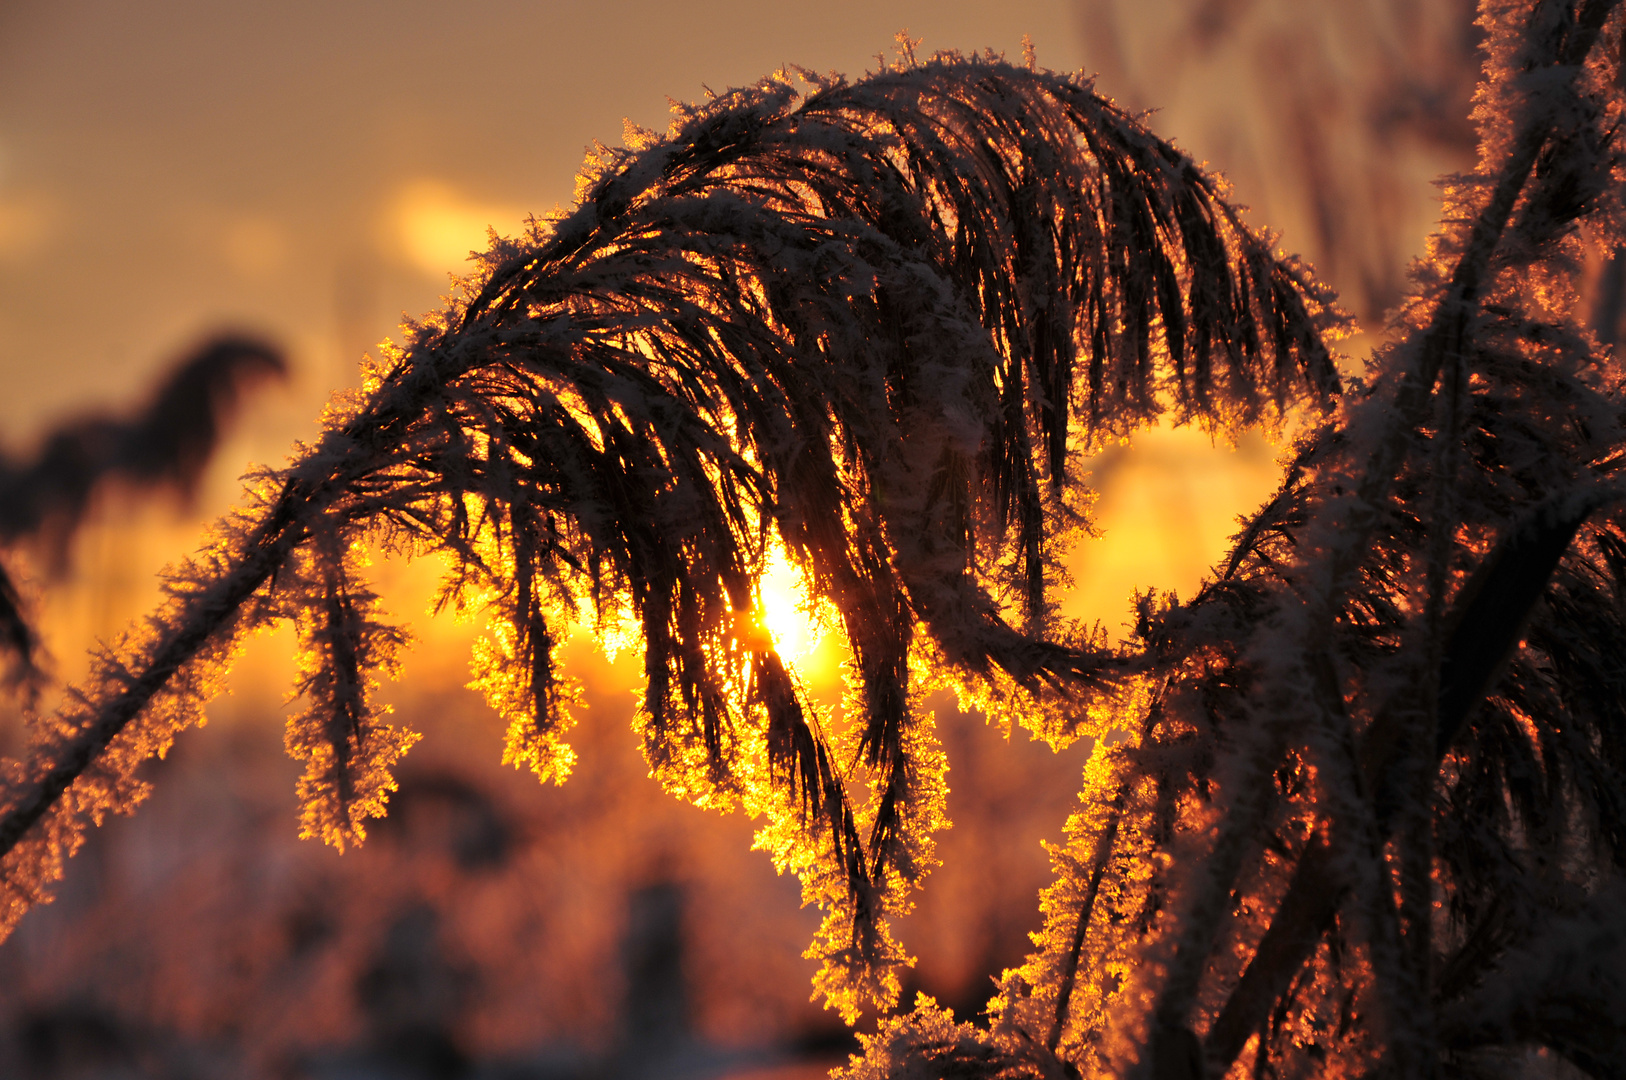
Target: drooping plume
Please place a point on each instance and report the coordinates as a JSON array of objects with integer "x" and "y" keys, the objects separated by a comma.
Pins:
[{"x": 874, "y": 322}]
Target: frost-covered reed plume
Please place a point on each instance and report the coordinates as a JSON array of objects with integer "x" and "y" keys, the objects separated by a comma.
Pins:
[
  {"x": 876, "y": 323},
  {"x": 1370, "y": 819},
  {"x": 1369, "y": 802}
]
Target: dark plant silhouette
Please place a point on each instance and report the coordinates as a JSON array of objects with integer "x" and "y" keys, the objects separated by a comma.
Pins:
[
  {"x": 846, "y": 322},
  {"x": 168, "y": 443},
  {"x": 1366, "y": 802}
]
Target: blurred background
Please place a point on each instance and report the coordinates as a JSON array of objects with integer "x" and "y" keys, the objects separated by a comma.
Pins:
[{"x": 307, "y": 174}]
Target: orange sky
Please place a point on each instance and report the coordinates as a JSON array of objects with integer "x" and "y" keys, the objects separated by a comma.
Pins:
[{"x": 312, "y": 171}]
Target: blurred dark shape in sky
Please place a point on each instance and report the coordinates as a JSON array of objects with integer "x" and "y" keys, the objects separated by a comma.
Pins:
[
  {"x": 444, "y": 810},
  {"x": 44, "y": 498},
  {"x": 656, "y": 1011},
  {"x": 413, "y": 996},
  {"x": 1331, "y": 118},
  {"x": 167, "y": 443},
  {"x": 75, "y": 1039}
]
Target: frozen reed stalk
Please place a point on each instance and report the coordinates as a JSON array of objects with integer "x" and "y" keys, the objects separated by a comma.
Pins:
[{"x": 876, "y": 325}]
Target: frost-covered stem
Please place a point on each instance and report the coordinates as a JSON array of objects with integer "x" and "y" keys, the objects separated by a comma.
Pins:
[
  {"x": 210, "y": 612},
  {"x": 1103, "y": 856},
  {"x": 1322, "y": 880},
  {"x": 1069, "y": 973},
  {"x": 1312, "y": 902},
  {"x": 1450, "y": 329},
  {"x": 1358, "y": 838},
  {"x": 1251, "y": 793},
  {"x": 1495, "y": 602},
  {"x": 1415, "y": 824}
]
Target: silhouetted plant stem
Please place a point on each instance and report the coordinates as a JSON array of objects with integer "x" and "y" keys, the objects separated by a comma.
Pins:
[
  {"x": 212, "y": 610},
  {"x": 1482, "y": 641},
  {"x": 806, "y": 320}
]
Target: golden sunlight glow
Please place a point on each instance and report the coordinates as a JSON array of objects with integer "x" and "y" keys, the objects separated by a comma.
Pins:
[
  {"x": 1167, "y": 510},
  {"x": 433, "y": 227},
  {"x": 793, "y": 620}
]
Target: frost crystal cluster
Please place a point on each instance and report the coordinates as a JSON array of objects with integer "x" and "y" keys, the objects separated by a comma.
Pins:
[{"x": 1366, "y": 814}]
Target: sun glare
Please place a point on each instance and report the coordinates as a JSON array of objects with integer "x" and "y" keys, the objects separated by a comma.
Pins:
[{"x": 788, "y": 612}]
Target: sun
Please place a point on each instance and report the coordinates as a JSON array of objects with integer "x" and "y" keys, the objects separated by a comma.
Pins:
[{"x": 789, "y": 614}]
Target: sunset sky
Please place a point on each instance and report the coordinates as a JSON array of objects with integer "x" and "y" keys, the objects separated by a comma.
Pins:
[
  {"x": 312, "y": 172},
  {"x": 315, "y": 170}
]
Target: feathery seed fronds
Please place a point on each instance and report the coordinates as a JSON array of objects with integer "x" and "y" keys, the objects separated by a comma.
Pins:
[{"x": 876, "y": 322}]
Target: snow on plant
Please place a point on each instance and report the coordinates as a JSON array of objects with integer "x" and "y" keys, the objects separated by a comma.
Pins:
[{"x": 874, "y": 326}]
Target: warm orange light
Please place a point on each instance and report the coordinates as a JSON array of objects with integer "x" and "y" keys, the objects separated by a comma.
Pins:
[
  {"x": 791, "y": 617},
  {"x": 433, "y": 226}
]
